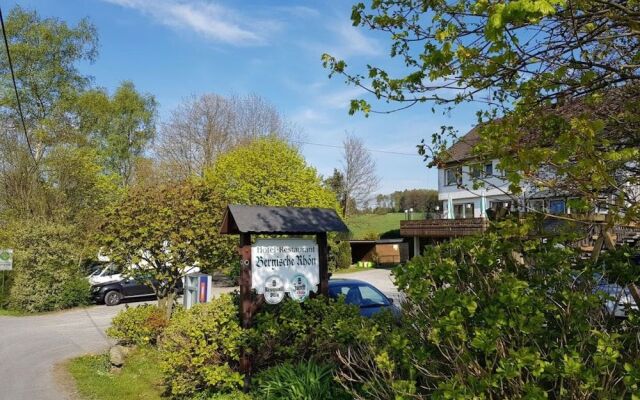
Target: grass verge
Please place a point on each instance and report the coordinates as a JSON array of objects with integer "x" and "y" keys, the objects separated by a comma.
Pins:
[
  {"x": 12, "y": 313},
  {"x": 140, "y": 377}
]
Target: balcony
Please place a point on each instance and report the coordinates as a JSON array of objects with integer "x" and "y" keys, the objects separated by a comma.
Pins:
[{"x": 443, "y": 228}]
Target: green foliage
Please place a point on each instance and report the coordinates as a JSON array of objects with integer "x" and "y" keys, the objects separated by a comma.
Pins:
[
  {"x": 237, "y": 395},
  {"x": 120, "y": 126},
  {"x": 316, "y": 329},
  {"x": 485, "y": 322},
  {"x": 167, "y": 229},
  {"x": 340, "y": 255},
  {"x": 453, "y": 53},
  {"x": 47, "y": 274},
  {"x": 269, "y": 172},
  {"x": 139, "y": 326},
  {"x": 301, "y": 381},
  {"x": 200, "y": 350},
  {"x": 371, "y": 235}
]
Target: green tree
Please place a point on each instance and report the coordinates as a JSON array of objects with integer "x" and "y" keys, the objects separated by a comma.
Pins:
[
  {"x": 45, "y": 53},
  {"x": 164, "y": 231},
  {"x": 120, "y": 126},
  {"x": 336, "y": 184},
  {"x": 269, "y": 172},
  {"x": 573, "y": 61}
]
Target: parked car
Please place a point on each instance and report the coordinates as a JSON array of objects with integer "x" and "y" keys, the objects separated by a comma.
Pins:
[
  {"x": 362, "y": 294},
  {"x": 110, "y": 286},
  {"x": 113, "y": 292},
  {"x": 620, "y": 297}
]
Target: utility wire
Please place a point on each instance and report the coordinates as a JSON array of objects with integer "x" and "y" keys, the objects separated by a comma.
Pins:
[
  {"x": 334, "y": 146},
  {"x": 15, "y": 86}
]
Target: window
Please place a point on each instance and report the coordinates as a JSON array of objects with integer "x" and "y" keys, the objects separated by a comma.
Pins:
[
  {"x": 463, "y": 211},
  {"x": 488, "y": 169},
  {"x": 536, "y": 205},
  {"x": 475, "y": 171},
  {"x": 359, "y": 295},
  {"x": 453, "y": 176},
  {"x": 557, "y": 206}
]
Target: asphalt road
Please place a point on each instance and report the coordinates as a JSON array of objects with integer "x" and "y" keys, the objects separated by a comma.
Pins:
[{"x": 31, "y": 347}]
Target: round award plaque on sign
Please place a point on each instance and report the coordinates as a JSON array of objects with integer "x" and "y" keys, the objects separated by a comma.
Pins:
[
  {"x": 274, "y": 290},
  {"x": 299, "y": 288}
]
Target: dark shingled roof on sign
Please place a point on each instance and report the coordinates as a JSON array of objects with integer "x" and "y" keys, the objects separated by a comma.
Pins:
[{"x": 280, "y": 220}]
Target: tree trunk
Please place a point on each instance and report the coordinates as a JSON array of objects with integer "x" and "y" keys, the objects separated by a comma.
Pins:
[{"x": 166, "y": 302}]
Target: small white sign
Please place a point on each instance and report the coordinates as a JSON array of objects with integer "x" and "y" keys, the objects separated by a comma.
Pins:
[
  {"x": 290, "y": 260},
  {"x": 6, "y": 259}
]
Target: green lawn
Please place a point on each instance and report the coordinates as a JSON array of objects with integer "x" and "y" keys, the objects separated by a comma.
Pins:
[
  {"x": 360, "y": 225},
  {"x": 140, "y": 377}
]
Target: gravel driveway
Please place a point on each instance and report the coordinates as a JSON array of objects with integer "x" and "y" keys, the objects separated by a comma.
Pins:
[{"x": 30, "y": 347}]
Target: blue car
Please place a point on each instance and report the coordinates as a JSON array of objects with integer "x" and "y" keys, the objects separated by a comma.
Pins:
[{"x": 362, "y": 294}]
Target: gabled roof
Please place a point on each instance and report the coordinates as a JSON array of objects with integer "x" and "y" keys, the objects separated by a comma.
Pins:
[
  {"x": 462, "y": 150},
  {"x": 615, "y": 102},
  {"x": 280, "y": 220}
]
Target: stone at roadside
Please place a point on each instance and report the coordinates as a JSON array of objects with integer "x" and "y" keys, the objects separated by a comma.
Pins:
[{"x": 116, "y": 356}]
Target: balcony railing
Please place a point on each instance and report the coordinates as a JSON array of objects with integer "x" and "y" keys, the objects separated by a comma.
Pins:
[{"x": 443, "y": 228}]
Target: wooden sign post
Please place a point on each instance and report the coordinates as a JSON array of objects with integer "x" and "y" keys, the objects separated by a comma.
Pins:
[{"x": 292, "y": 221}]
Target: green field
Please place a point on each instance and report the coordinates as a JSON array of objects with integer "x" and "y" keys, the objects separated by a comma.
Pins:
[{"x": 361, "y": 225}]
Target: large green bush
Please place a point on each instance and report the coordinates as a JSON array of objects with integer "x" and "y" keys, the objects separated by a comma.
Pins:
[
  {"x": 502, "y": 317},
  {"x": 140, "y": 325},
  {"x": 340, "y": 254},
  {"x": 200, "y": 349},
  {"x": 316, "y": 329},
  {"x": 47, "y": 274},
  {"x": 302, "y": 381}
]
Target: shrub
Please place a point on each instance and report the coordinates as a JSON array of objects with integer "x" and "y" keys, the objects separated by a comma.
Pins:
[
  {"x": 302, "y": 381},
  {"x": 501, "y": 317},
  {"x": 47, "y": 273},
  {"x": 76, "y": 291},
  {"x": 200, "y": 349},
  {"x": 340, "y": 257},
  {"x": 317, "y": 329},
  {"x": 139, "y": 326}
]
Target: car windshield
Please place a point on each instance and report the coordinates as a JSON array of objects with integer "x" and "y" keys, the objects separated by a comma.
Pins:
[
  {"x": 361, "y": 295},
  {"x": 110, "y": 269}
]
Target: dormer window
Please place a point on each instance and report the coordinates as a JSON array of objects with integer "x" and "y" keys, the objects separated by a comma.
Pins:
[{"x": 453, "y": 176}]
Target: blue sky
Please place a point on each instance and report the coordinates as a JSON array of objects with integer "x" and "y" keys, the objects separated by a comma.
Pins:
[{"x": 173, "y": 49}]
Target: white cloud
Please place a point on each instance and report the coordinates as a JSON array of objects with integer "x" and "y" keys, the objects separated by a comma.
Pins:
[
  {"x": 352, "y": 42},
  {"x": 308, "y": 116},
  {"x": 341, "y": 99},
  {"x": 212, "y": 21}
]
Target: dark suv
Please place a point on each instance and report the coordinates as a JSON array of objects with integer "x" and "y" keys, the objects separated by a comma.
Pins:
[{"x": 112, "y": 293}]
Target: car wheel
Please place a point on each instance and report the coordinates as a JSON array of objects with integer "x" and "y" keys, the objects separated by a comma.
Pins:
[{"x": 112, "y": 298}]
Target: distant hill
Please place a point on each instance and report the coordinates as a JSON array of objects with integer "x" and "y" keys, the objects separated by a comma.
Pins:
[{"x": 361, "y": 225}]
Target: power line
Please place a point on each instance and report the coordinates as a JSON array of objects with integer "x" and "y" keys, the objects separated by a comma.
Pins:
[
  {"x": 334, "y": 146},
  {"x": 15, "y": 86}
]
